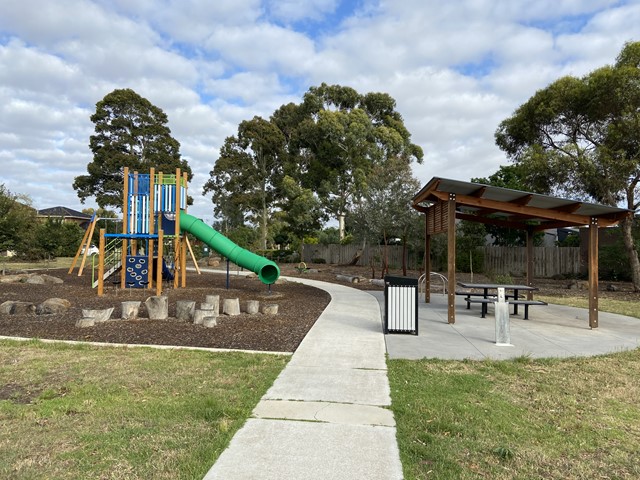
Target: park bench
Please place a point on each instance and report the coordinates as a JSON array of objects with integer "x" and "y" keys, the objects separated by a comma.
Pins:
[{"x": 486, "y": 301}]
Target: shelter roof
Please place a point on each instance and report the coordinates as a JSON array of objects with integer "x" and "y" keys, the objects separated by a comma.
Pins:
[
  {"x": 63, "y": 212},
  {"x": 513, "y": 208}
]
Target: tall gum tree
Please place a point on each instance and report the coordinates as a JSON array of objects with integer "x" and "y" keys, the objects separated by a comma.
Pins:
[
  {"x": 245, "y": 178},
  {"x": 583, "y": 136},
  {"x": 129, "y": 132},
  {"x": 342, "y": 136}
]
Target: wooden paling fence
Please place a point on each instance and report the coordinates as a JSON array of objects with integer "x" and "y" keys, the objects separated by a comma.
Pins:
[{"x": 548, "y": 261}]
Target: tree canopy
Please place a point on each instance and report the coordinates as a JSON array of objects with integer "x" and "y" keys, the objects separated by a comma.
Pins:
[
  {"x": 320, "y": 151},
  {"x": 129, "y": 132},
  {"x": 582, "y": 137}
]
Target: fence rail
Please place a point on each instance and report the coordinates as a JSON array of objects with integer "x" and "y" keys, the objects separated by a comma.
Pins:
[{"x": 549, "y": 261}]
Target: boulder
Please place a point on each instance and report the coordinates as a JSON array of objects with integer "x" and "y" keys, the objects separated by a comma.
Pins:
[
  {"x": 13, "y": 278},
  {"x": 43, "y": 279},
  {"x": 52, "y": 306},
  {"x": 13, "y": 307}
]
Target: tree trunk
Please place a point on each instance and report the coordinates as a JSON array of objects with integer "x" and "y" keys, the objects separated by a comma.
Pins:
[
  {"x": 629, "y": 246},
  {"x": 341, "y": 225},
  {"x": 404, "y": 257}
]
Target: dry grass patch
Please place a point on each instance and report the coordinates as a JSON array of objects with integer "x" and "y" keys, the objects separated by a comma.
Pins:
[{"x": 83, "y": 412}]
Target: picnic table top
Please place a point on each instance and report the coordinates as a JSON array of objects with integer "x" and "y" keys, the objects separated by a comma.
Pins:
[{"x": 487, "y": 286}]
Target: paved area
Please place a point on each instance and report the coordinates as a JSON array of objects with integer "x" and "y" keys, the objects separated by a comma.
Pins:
[
  {"x": 551, "y": 331},
  {"x": 326, "y": 415}
]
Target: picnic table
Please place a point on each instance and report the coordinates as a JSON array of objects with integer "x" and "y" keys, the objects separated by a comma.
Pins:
[{"x": 485, "y": 299}]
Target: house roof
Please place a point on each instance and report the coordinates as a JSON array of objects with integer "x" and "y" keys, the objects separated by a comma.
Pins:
[
  {"x": 63, "y": 212},
  {"x": 513, "y": 208}
]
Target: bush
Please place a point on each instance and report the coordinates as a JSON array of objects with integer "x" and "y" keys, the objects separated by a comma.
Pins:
[{"x": 318, "y": 260}]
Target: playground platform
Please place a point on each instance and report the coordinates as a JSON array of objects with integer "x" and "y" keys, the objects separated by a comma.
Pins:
[{"x": 327, "y": 416}]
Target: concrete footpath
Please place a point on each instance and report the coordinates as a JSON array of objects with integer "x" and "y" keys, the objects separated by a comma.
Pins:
[{"x": 326, "y": 415}]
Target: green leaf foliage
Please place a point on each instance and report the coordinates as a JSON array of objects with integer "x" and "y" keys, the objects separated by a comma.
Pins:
[
  {"x": 129, "y": 132},
  {"x": 582, "y": 137}
]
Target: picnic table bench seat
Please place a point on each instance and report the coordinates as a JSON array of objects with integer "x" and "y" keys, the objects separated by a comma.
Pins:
[{"x": 486, "y": 301}]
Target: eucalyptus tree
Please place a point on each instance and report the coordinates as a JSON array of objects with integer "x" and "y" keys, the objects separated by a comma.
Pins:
[
  {"x": 245, "y": 179},
  {"x": 340, "y": 136},
  {"x": 129, "y": 132},
  {"x": 582, "y": 135}
]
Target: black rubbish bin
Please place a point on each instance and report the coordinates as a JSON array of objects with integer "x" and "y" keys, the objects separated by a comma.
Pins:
[{"x": 400, "y": 305}]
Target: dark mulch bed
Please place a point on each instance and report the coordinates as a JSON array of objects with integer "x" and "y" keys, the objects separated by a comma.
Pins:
[{"x": 298, "y": 308}]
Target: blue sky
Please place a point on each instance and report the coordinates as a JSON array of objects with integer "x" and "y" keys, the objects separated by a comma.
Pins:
[{"x": 455, "y": 68}]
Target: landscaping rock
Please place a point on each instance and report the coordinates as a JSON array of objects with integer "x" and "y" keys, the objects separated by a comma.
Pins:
[
  {"x": 157, "y": 307},
  {"x": 53, "y": 306},
  {"x": 13, "y": 307},
  {"x": 17, "y": 278},
  {"x": 43, "y": 279}
]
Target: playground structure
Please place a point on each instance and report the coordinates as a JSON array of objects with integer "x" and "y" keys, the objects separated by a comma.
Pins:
[{"x": 155, "y": 225}]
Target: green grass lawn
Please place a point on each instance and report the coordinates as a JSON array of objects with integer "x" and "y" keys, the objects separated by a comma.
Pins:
[
  {"x": 79, "y": 412},
  {"x": 61, "y": 262},
  {"x": 521, "y": 419}
]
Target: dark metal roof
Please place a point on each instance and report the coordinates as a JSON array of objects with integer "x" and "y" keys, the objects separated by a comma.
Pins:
[
  {"x": 63, "y": 212},
  {"x": 514, "y": 208}
]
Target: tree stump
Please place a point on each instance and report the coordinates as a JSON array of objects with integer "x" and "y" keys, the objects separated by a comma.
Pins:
[
  {"x": 157, "y": 307},
  {"x": 199, "y": 315},
  {"x": 270, "y": 309},
  {"x": 252, "y": 307},
  {"x": 98, "y": 315},
  {"x": 215, "y": 301},
  {"x": 209, "y": 322},
  {"x": 130, "y": 310},
  {"x": 85, "y": 322},
  {"x": 231, "y": 306},
  {"x": 185, "y": 309}
]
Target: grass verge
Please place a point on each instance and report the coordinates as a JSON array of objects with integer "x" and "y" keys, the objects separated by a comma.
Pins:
[
  {"x": 78, "y": 412},
  {"x": 623, "y": 307},
  {"x": 553, "y": 419},
  {"x": 61, "y": 262}
]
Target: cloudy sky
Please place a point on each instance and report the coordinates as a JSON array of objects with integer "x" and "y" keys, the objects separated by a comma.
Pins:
[{"x": 456, "y": 69}]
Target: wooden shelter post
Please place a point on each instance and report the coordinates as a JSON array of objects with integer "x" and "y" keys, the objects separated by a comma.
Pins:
[
  {"x": 427, "y": 261},
  {"x": 593, "y": 273},
  {"x": 451, "y": 258}
]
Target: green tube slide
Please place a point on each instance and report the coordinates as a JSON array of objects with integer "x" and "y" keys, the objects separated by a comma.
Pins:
[{"x": 267, "y": 271}]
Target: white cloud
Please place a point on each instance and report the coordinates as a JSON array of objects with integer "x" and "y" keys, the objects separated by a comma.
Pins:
[{"x": 456, "y": 69}]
